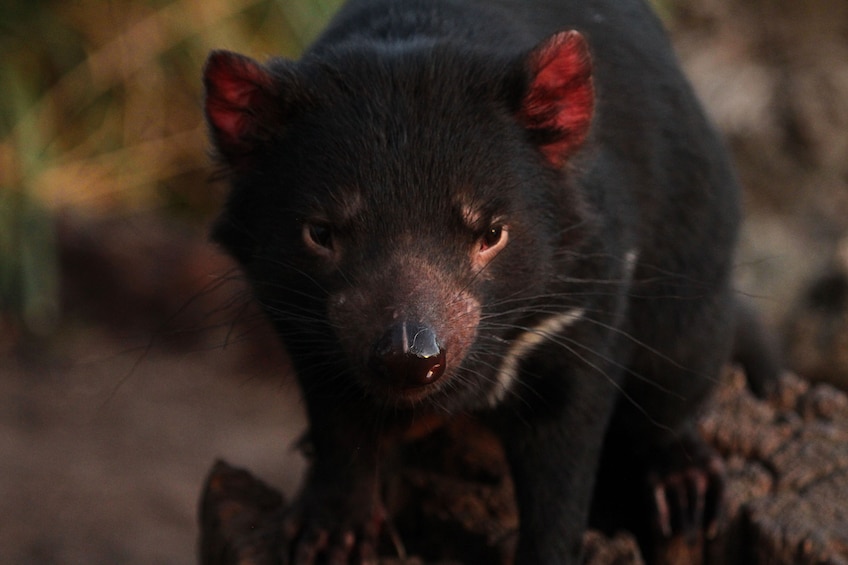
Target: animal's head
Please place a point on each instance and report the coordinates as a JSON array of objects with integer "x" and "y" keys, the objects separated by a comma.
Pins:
[{"x": 396, "y": 209}]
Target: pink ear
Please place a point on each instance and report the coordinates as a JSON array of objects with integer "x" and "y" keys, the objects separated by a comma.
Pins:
[
  {"x": 239, "y": 103},
  {"x": 560, "y": 99}
]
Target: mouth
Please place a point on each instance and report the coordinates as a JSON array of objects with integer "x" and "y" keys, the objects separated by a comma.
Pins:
[{"x": 407, "y": 393}]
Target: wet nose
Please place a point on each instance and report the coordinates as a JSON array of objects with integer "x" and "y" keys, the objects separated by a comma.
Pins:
[{"x": 408, "y": 355}]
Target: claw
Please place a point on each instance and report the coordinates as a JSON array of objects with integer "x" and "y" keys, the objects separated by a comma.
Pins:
[
  {"x": 714, "y": 496},
  {"x": 663, "y": 517},
  {"x": 687, "y": 495},
  {"x": 311, "y": 537},
  {"x": 699, "y": 484}
]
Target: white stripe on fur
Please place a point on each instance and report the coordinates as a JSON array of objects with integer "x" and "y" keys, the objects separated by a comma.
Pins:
[{"x": 547, "y": 329}]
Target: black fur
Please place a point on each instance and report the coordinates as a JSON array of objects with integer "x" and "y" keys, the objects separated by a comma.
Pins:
[{"x": 402, "y": 117}]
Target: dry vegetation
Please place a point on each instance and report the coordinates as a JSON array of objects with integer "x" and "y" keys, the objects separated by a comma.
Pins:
[{"x": 100, "y": 114}]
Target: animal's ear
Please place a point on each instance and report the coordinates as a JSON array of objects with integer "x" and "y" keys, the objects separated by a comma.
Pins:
[
  {"x": 559, "y": 101},
  {"x": 241, "y": 104}
]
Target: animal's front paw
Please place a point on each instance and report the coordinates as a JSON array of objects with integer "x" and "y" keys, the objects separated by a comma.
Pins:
[
  {"x": 323, "y": 527},
  {"x": 687, "y": 484}
]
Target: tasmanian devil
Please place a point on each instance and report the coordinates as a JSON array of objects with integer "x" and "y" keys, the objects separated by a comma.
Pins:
[{"x": 509, "y": 208}]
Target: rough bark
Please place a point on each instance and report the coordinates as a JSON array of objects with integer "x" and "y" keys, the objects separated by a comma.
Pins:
[{"x": 786, "y": 501}]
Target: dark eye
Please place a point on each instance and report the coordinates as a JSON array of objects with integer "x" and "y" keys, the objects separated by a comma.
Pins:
[
  {"x": 492, "y": 237},
  {"x": 490, "y": 244},
  {"x": 318, "y": 236}
]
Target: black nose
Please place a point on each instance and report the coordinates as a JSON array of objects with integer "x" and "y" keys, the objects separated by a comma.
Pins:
[{"x": 408, "y": 355}]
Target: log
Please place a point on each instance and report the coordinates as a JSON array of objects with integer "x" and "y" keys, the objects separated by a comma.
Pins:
[
  {"x": 787, "y": 461},
  {"x": 452, "y": 502}
]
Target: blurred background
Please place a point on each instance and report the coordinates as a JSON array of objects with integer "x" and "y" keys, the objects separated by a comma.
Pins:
[{"x": 130, "y": 357}]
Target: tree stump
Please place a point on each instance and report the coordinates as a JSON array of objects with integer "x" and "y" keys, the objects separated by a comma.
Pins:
[{"x": 452, "y": 501}]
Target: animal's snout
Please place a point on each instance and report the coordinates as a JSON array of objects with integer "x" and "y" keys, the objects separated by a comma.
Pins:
[{"x": 408, "y": 355}]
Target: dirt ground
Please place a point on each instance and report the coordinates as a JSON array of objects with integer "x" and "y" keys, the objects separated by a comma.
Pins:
[{"x": 106, "y": 444}]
